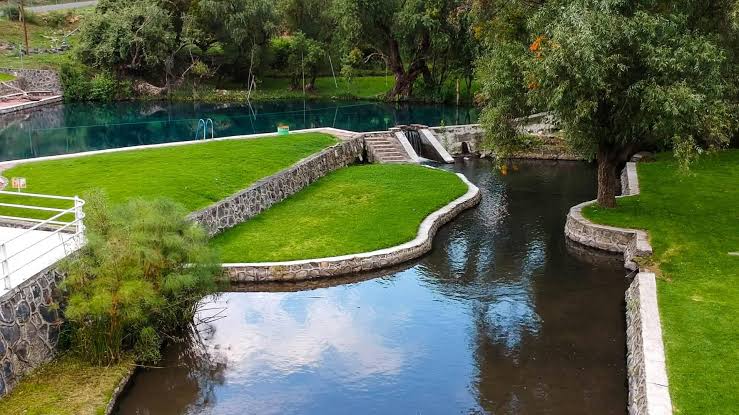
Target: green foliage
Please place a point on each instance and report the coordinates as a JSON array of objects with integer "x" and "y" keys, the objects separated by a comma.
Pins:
[
  {"x": 13, "y": 12},
  {"x": 619, "y": 76},
  {"x": 137, "y": 35},
  {"x": 138, "y": 278},
  {"x": 300, "y": 57},
  {"x": 80, "y": 83}
]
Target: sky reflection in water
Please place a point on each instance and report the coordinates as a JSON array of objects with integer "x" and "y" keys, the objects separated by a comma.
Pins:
[{"x": 501, "y": 317}]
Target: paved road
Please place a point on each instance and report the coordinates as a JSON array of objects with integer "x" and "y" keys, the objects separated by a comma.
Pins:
[{"x": 63, "y": 6}]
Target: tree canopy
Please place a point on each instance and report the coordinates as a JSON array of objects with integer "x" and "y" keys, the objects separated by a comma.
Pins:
[{"x": 620, "y": 76}]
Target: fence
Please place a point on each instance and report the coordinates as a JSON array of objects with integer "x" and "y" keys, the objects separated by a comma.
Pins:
[{"x": 44, "y": 242}]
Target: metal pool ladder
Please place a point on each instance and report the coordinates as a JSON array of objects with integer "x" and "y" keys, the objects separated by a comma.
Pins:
[{"x": 204, "y": 123}]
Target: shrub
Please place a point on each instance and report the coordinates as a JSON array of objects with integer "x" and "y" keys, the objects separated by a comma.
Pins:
[
  {"x": 12, "y": 12},
  {"x": 138, "y": 279}
]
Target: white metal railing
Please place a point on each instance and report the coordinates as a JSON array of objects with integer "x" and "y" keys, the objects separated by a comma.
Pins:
[
  {"x": 204, "y": 123},
  {"x": 70, "y": 234}
]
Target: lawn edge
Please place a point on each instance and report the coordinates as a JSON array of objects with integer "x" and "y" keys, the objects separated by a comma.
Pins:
[
  {"x": 649, "y": 392},
  {"x": 314, "y": 268}
]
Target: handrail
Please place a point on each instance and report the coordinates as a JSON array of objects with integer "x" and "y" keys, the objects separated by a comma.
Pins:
[
  {"x": 77, "y": 237},
  {"x": 204, "y": 123}
]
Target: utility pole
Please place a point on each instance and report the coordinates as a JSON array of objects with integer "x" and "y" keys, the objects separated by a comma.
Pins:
[{"x": 22, "y": 10}]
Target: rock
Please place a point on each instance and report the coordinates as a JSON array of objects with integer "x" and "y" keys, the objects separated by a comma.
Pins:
[
  {"x": 23, "y": 311},
  {"x": 146, "y": 89},
  {"x": 11, "y": 334}
]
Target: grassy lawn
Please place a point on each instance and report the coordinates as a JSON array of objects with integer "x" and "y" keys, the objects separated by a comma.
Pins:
[
  {"x": 355, "y": 209},
  {"x": 693, "y": 223},
  {"x": 6, "y": 77},
  {"x": 65, "y": 386},
  {"x": 193, "y": 175}
]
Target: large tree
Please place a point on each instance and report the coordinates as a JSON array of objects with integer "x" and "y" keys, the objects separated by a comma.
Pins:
[
  {"x": 620, "y": 76},
  {"x": 401, "y": 32}
]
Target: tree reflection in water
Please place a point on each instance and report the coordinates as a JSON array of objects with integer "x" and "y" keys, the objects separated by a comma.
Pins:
[{"x": 499, "y": 318}]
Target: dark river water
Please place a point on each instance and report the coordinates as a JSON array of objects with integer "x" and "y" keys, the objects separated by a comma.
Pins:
[
  {"x": 75, "y": 127},
  {"x": 502, "y": 317}
]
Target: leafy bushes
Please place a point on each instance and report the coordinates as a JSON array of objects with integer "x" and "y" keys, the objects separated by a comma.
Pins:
[
  {"x": 138, "y": 279},
  {"x": 81, "y": 84}
]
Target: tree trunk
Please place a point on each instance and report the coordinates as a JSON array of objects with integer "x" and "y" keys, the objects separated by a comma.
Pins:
[{"x": 607, "y": 183}]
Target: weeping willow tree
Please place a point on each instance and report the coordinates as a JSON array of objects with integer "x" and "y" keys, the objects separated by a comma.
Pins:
[
  {"x": 620, "y": 76},
  {"x": 138, "y": 279}
]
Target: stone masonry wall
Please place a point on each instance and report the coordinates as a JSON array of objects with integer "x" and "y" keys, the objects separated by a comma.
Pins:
[
  {"x": 633, "y": 243},
  {"x": 32, "y": 80},
  {"x": 645, "y": 361},
  {"x": 29, "y": 326},
  {"x": 246, "y": 204},
  {"x": 348, "y": 264}
]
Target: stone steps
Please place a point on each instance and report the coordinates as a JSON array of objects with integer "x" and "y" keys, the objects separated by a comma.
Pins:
[{"x": 386, "y": 149}]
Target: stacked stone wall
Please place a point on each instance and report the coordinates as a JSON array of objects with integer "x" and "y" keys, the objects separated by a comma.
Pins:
[
  {"x": 259, "y": 197},
  {"x": 29, "y": 326},
  {"x": 31, "y": 80}
]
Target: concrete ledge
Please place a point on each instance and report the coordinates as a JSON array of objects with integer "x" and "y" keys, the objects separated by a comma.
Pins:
[
  {"x": 649, "y": 393},
  {"x": 118, "y": 391},
  {"x": 633, "y": 243},
  {"x": 347, "y": 264},
  {"x": 648, "y": 386}
]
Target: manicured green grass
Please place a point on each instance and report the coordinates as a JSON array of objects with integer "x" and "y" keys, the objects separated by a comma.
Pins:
[
  {"x": 693, "y": 224},
  {"x": 355, "y": 209},
  {"x": 65, "y": 386},
  {"x": 194, "y": 175},
  {"x": 365, "y": 87}
]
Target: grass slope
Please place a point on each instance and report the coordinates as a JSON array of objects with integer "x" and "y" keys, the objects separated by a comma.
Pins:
[
  {"x": 65, "y": 386},
  {"x": 693, "y": 224},
  {"x": 194, "y": 175},
  {"x": 356, "y": 209}
]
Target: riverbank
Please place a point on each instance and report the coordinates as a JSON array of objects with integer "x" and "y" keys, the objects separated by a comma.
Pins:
[
  {"x": 693, "y": 227},
  {"x": 66, "y": 386}
]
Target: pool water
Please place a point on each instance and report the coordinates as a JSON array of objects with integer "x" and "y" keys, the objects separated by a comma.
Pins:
[
  {"x": 504, "y": 316},
  {"x": 74, "y": 127}
]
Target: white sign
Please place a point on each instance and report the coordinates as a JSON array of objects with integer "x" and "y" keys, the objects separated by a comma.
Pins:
[{"x": 18, "y": 183}]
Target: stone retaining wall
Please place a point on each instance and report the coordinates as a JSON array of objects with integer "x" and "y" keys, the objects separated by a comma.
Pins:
[
  {"x": 633, "y": 243},
  {"x": 248, "y": 203},
  {"x": 348, "y": 264},
  {"x": 454, "y": 137},
  {"x": 32, "y": 80},
  {"x": 29, "y": 326},
  {"x": 645, "y": 361}
]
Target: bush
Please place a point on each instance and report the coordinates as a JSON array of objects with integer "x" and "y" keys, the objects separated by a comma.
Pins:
[
  {"x": 13, "y": 13},
  {"x": 138, "y": 279},
  {"x": 80, "y": 83}
]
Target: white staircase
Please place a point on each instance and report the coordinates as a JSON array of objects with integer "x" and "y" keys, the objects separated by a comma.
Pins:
[{"x": 387, "y": 149}]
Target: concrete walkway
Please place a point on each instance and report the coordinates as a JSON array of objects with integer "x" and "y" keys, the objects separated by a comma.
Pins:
[
  {"x": 49, "y": 251},
  {"x": 61, "y": 6}
]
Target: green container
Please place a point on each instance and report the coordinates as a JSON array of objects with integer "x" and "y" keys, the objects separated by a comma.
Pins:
[{"x": 283, "y": 130}]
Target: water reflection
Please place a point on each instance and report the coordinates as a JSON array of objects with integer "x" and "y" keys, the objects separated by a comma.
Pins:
[
  {"x": 74, "y": 127},
  {"x": 499, "y": 318}
]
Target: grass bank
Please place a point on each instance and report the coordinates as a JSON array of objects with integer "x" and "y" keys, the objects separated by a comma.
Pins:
[
  {"x": 194, "y": 175},
  {"x": 65, "y": 386},
  {"x": 355, "y": 209},
  {"x": 693, "y": 224},
  {"x": 366, "y": 87}
]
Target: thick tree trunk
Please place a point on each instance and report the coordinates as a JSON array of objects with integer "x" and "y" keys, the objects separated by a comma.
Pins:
[
  {"x": 607, "y": 182},
  {"x": 610, "y": 158}
]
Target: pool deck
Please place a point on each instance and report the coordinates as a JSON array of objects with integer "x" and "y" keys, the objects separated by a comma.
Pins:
[{"x": 19, "y": 104}]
